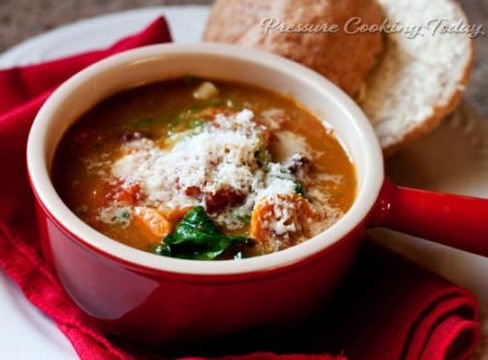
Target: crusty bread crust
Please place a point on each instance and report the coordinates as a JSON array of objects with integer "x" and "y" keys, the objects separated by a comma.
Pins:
[
  {"x": 343, "y": 58},
  {"x": 441, "y": 111}
]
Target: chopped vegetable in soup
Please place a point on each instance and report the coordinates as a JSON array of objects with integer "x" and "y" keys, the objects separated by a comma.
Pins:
[{"x": 204, "y": 170}]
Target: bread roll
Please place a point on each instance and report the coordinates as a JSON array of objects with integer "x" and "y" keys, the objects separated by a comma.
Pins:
[
  {"x": 407, "y": 83},
  {"x": 342, "y": 58},
  {"x": 418, "y": 80}
]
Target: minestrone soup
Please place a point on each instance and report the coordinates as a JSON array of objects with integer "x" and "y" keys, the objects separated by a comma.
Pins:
[{"x": 201, "y": 169}]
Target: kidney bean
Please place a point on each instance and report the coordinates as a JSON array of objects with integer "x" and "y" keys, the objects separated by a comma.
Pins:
[{"x": 223, "y": 199}]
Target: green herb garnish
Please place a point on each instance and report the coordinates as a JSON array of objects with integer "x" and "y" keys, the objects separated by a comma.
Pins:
[
  {"x": 149, "y": 121},
  {"x": 299, "y": 188},
  {"x": 123, "y": 215},
  {"x": 246, "y": 219},
  {"x": 213, "y": 102},
  {"x": 176, "y": 125},
  {"x": 197, "y": 237},
  {"x": 202, "y": 105},
  {"x": 143, "y": 122},
  {"x": 196, "y": 123},
  {"x": 263, "y": 157}
]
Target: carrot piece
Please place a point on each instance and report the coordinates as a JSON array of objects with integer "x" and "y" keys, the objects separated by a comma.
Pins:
[
  {"x": 130, "y": 195},
  {"x": 152, "y": 222},
  {"x": 174, "y": 214},
  {"x": 291, "y": 209}
]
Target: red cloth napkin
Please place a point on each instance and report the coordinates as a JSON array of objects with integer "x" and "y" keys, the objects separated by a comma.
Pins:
[
  {"x": 387, "y": 309},
  {"x": 402, "y": 311}
]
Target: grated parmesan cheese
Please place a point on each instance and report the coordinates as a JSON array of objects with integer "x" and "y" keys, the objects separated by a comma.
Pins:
[
  {"x": 219, "y": 157},
  {"x": 116, "y": 214},
  {"x": 222, "y": 155}
]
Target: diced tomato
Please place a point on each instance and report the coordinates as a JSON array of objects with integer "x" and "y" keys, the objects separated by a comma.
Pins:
[
  {"x": 152, "y": 222},
  {"x": 223, "y": 198},
  {"x": 130, "y": 194},
  {"x": 193, "y": 191},
  {"x": 107, "y": 191},
  {"x": 127, "y": 193}
]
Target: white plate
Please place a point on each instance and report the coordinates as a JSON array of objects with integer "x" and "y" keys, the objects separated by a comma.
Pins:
[
  {"x": 453, "y": 158},
  {"x": 186, "y": 24}
]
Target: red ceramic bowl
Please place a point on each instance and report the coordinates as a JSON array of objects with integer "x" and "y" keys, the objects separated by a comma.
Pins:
[{"x": 158, "y": 299}]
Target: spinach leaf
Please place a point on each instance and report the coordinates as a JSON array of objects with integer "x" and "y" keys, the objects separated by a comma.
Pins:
[{"x": 196, "y": 237}]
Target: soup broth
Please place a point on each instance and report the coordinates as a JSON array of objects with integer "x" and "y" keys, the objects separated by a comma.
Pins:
[{"x": 205, "y": 170}]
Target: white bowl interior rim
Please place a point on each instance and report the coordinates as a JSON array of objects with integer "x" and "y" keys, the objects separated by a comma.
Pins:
[{"x": 361, "y": 144}]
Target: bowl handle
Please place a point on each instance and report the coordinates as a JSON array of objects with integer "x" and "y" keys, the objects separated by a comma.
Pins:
[{"x": 453, "y": 220}]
